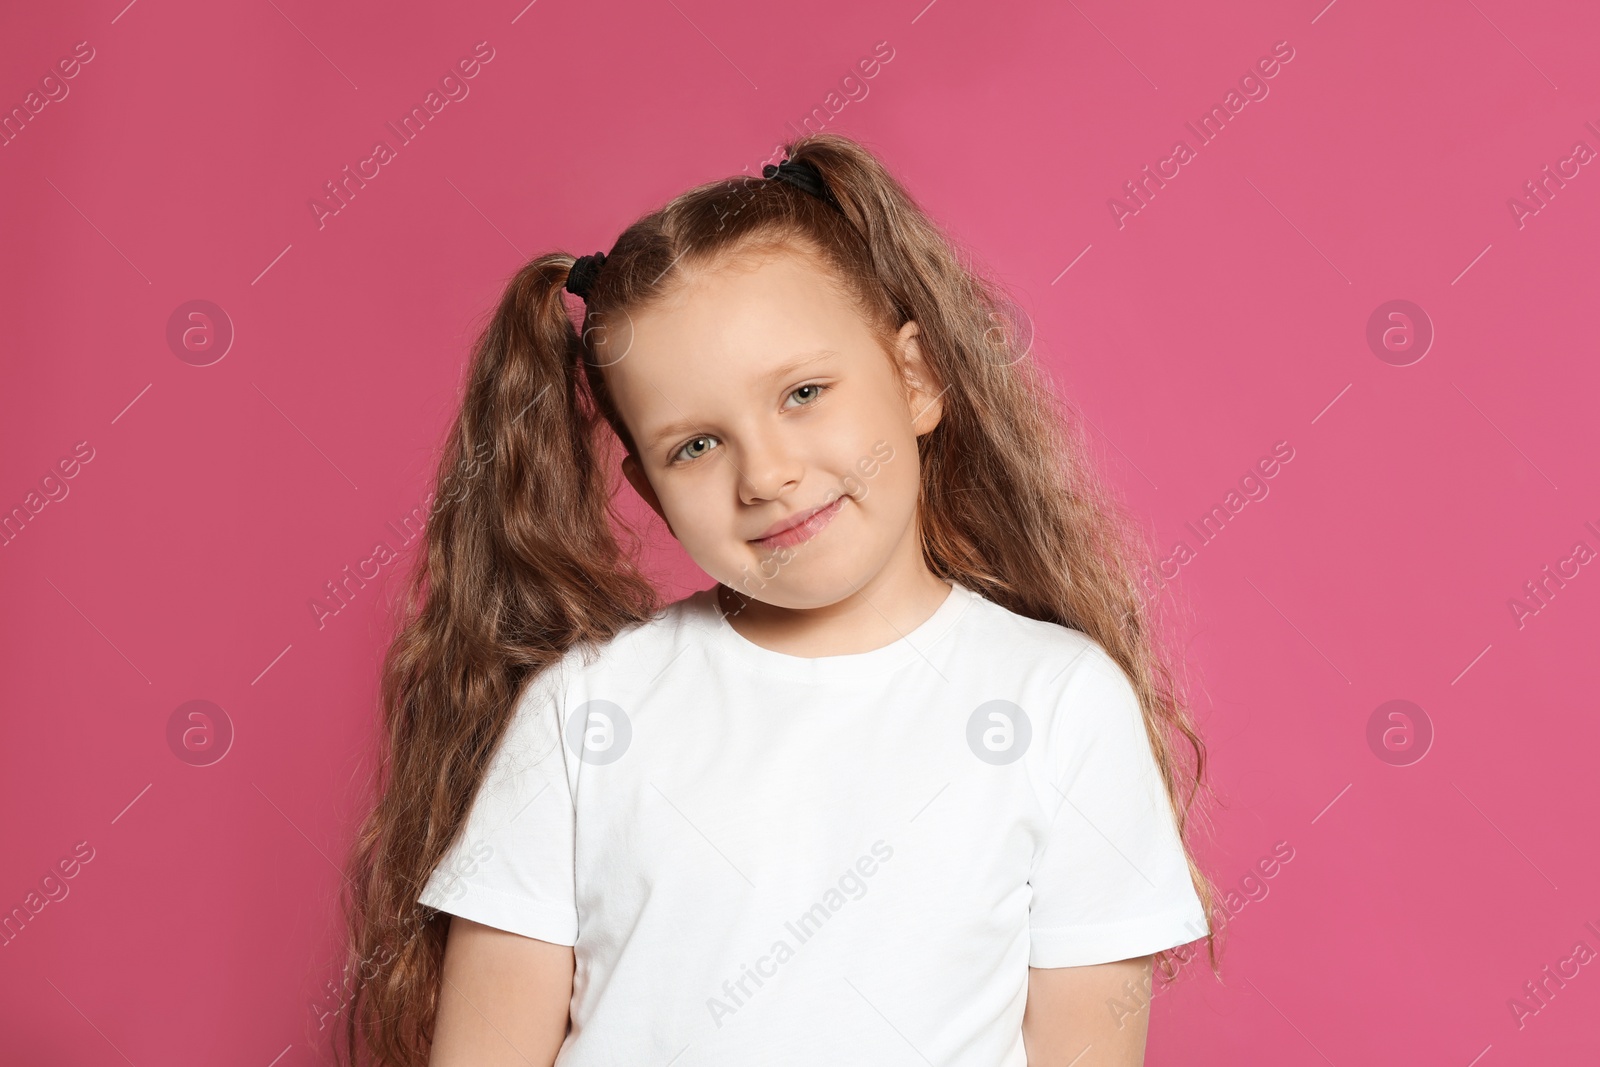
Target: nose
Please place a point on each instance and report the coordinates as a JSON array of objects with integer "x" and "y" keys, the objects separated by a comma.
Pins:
[{"x": 768, "y": 469}]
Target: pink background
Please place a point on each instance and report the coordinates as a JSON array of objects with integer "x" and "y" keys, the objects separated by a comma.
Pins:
[{"x": 1229, "y": 314}]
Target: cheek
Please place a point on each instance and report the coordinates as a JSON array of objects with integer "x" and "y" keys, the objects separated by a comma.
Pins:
[
  {"x": 883, "y": 476},
  {"x": 872, "y": 450},
  {"x": 686, "y": 502},
  {"x": 703, "y": 508}
]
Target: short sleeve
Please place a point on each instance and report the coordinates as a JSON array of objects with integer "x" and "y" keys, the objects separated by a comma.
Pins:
[
  {"x": 511, "y": 867},
  {"x": 1112, "y": 881}
]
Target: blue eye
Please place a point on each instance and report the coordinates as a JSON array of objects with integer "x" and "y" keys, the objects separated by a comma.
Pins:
[{"x": 686, "y": 452}]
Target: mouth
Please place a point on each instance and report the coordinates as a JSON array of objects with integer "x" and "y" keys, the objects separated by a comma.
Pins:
[{"x": 798, "y": 528}]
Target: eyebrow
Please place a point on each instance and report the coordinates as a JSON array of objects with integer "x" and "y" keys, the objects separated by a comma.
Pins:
[
  {"x": 805, "y": 359},
  {"x": 799, "y": 362}
]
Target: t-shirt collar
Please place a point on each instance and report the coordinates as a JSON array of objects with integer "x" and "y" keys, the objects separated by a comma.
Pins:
[{"x": 908, "y": 648}]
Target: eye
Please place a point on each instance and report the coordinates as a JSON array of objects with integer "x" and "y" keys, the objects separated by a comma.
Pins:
[
  {"x": 688, "y": 451},
  {"x": 816, "y": 390}
]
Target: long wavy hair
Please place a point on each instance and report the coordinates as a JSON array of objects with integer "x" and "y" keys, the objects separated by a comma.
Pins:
[{"x": 522, "y": 560}]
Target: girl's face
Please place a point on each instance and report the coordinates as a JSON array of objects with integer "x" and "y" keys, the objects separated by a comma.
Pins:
[{"x": 757, "y": 394}]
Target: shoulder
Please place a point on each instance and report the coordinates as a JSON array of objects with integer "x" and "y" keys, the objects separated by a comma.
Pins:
[
  {"x": 629, "y": 651},
  {"x": 638, "y": 651},
  {"x": 1075, "y": 695},
  {"x": 1038, "y": 651}
]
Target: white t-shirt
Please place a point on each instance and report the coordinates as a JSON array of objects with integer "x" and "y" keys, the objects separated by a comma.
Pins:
[{"x": 768, "y": 859}]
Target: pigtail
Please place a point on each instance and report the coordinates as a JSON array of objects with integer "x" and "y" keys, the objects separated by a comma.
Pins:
[
  {"x": 520, "y": 565},
  {"x": 1012, "y": 505},
  {"x": 993, "y": 401}
]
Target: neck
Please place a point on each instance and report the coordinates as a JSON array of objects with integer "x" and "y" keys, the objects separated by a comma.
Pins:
[{"x": 882, "y": 610}]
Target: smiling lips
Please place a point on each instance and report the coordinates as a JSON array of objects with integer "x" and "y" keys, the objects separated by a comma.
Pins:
[{"x": 794, "y": 530}]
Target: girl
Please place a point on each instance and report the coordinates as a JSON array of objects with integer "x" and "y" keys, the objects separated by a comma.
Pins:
[{"x": 904, "y": 785}]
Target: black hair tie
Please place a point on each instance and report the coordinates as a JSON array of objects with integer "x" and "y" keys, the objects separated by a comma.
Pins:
[
  {"x": 796, "y": 172},
  {"x": 803, "y": 176},
  {"x": 580, "y": 278}
]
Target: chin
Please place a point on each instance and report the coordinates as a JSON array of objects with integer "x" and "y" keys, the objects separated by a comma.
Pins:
[{"x": 797, "y": 586}]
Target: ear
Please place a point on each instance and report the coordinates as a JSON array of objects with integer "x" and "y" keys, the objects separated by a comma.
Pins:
[
  {"x": 923, "y": 392},
  {"x": 641, "y": 485}
]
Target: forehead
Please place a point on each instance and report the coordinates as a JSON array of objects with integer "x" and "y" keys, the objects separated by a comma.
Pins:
[{"x": 725, "y": 327}]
